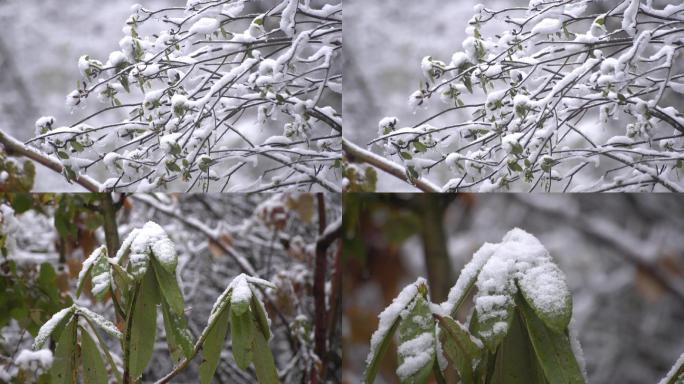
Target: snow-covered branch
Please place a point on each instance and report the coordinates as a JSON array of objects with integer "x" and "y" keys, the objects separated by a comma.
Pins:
[
  {"x": 563, "y": 97},
  {"x": 214, "y": 96}
]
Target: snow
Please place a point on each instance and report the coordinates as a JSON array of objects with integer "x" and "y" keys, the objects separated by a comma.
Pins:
[
  {"x": 387, "y": 124},
  {"x": 547, "y": 26},
  {"x": 165, "y": 251},
  {"x": 390, "y": 314},
  {"x": 416, "y": 353},
  {"x": 522, "y": 257},
  {"x": 100, "y": 281},
  {"x": 670, "y": 377},
  {"x": 100, "y": 321},
  {"x": 152, "y": 238},
  {"x": 241, "y": 291},
  {"x": 49, "y": 326},
  {"x": 73, "y": 99},
  {"x": 287, "y": 20},
  {"x": 205, "y": 25},
  {"x": 629, "y": 17},
  {"x": 468, "y": 276},
  {"x": 576, "y": 347},
  {"x": 44, "y": 123},
  {"x": 546, "y": 283},
  {"x": 126, "y": 245},
  {"x": 277, "y": 140},
  {"x": 42, "y": 357}
]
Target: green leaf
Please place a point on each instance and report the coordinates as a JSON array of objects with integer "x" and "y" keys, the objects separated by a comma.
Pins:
[
  {"x": 211, "y": 348},
  {"x": 93, "y": 366},
  {"x": 374, "y": 365},
  {"x": 420, "y": 147},
  {"x": 177, "y": 335},
  {"x": 461, "y": 348},
  {"x": 260, "y": 315},
  {"x": 416, "y": 323},
  {"x": 555, "y": 316},
  {"x": 144, "y": 325},
  {"x": 485, "y": 329},
  {"x": 553, "y": 349},
  {"x": 168, "y": 285},
  {"x": 264, "y": 365},
  {"x": 242, "y": 335},
  {"x": 515, "y": 361},
  {"x": 64, "y": 368},
  {"x": 406, "y": 155},
  {"x": 122, "y": 278},
  {"x": 514, "y": 166}
]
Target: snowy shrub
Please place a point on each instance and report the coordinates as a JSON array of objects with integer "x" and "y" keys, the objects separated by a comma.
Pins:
[
  {"x": 567, "y": 98},
  {"x": 140, "y": 277},
  {"x": 215, "y": 96},
  {"x": 520, "y": 325}
]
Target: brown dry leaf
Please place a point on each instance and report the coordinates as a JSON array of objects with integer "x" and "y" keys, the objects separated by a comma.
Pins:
[
  {"x": 649, "y": 288},
  {"x": 303, "y": 205},
  {"x": 215, "y": 248}
]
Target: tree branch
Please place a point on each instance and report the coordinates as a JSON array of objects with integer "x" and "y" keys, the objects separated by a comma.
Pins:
[
  {"x": 15, "y": 147},
  {"x": 355, "y": 152}
]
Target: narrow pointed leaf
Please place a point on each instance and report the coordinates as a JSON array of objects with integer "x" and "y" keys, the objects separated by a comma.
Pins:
[
  {"x": 553, "y": 349},
  {"x": 416, "y": 350},
  {"x": 546, "y": 292},
  {"x": 93, "y": 366},
  {"x": 177, "y": 335},
  {"x": 374, "y": 361},
  {"x": 264, "y": 365},
  {"x": 64, "y": 367},
  {"x": 144, "y": 325},
  {"x": 211, "y": 348},
  {"x": 53, "y": 327},
  {"x": 168, "y": 285},
  {"x": 515, "y": 361},
  {"x": 261, "y": 316},
  {"x": 461, "y": 348},
  {"x": 242, "y": 334},
  {"x": 388, "y": 324}
]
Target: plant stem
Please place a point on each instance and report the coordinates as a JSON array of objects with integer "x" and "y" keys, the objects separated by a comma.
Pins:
[
  {"x": 111, "y": 230},
  {"x": 15, "y": 147},
  {"x": 320, "y": 268},
  {"x": 127, "y": 335},
  {"x": 354, "y": 152}
]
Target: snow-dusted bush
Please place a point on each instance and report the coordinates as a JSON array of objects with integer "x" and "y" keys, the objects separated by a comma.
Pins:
[
  {"x": 520, "y": 325},
  {"x": 216, "y": 96},
  {"x": 140, "y": 277},
  {"x": 568, "y": 98}
]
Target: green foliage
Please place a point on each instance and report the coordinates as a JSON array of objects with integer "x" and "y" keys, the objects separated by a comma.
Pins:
[
  {"x": 30, "y": 295},
  {"x": 534, "y": 347},
  {"x": 142, "y": 328},
  {"x": 211, "y": 352},
  {"x": 139, "y": 300},
  {"x": 64, "y": 367},
  {"x": 94, "y": 370},
  {"x": 19, "y": 177},
  {"x": 359, "y": 178}
]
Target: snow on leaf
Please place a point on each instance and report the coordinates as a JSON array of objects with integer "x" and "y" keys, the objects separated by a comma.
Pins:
[
  {"x": 97, "y": 267},
  {"x": 241, "y": 294},
  {"x": 50, "y": 325},
  {"x": 387, "y": 322},
  {"x": 519, "y": 260},
  {"x": 205, "y": 25},
  {"x": 416, "y": 350},
  {"x": 100, "y": 321},
  {"x": 150, "y": 238}
]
